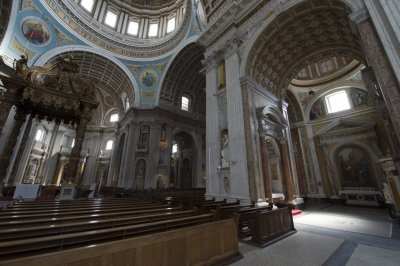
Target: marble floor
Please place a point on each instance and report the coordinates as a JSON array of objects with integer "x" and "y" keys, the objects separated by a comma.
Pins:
[{"x": 332, "y": 235}]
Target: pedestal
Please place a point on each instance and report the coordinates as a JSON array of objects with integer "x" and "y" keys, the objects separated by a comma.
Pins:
[{"x": 68, "y": 192}]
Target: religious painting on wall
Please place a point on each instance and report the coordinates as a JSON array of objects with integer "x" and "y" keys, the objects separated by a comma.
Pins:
[
  {"x": 354, "y": 167},
  {"x": 35, "y": 31},
  {"x": 358, "y": 97},
  {"x": 148, "y": 78},
  {"x": 317, "y": 110}
]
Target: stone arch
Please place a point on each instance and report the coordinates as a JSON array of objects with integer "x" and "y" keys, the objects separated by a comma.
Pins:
[
  {"x": 184, "y": 76},
  {"x": 305, "y": 30},
  {"x": 120, "y": 78}
]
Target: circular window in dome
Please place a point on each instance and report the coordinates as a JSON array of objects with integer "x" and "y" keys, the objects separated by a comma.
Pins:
[{"x": 35, "y": 31}]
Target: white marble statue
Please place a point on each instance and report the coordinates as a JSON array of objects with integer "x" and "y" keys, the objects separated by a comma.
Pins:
[{"x": 225, "y": 150}]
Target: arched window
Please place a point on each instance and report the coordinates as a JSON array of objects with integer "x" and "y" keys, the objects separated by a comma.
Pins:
[
  {"x": 109, "y": 144},
  {"x": 185, "y": 103}
]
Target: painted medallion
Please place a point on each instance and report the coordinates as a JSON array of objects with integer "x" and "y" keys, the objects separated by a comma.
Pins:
[
  {"x": 35, "y": 31},
  {"x": 148, "y": 78}
]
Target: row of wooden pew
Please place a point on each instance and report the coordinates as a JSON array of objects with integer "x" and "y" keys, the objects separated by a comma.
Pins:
[{"x": 32, "y": 228}]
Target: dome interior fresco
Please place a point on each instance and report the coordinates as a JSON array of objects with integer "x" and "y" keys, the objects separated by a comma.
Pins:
[
  {"x": 148, "y": 4},
  {"x": 184, "y": 77},
  {"x": 309, "y": 32}
]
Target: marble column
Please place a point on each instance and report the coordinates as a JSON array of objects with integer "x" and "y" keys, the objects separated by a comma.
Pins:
[
  {"x": 48, "y": 161},
  {"x": 20, "y": 118},
  {"x": 71, "y": 174},
  {"x": 212, "y": 130},
  {"x": 330, "y": 171},
  {"x": 314, "y": 160},
  {"x": 265, "y": 168},
  {"x": 21, "y": 149},
  {"x": 376, "y": 57},
  {"x": 241, "y": 183},
  {"x": 287, "y": 175}
]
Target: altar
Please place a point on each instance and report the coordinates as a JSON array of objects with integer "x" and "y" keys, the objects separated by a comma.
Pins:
[{"x": 365, "y": 196}]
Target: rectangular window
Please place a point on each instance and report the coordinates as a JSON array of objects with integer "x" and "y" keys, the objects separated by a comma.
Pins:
[
  {"x": 114, "y": 118},
  {"x": 171, "y": 25},
  {"x": 133, "y": 28},
  {"x": 185, "y": 103},
  {"x": 175, "y": 148},
  {"x": 39, "y": 135},
  {"x": 87, "y": 4},
  {"x": 337, "y": 101},
  {"x": 111, "y": 19},
  {"x": 153, "y": 30},
  {"x": 109, "y": 145}
]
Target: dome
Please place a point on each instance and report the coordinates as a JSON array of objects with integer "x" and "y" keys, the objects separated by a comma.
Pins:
[{"x": 131, "y": 28}]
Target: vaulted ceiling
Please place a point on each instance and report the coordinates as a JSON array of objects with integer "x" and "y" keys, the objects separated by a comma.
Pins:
[
  {"x": 184, "y": 77},
  {"x": 304, "y": 34}
]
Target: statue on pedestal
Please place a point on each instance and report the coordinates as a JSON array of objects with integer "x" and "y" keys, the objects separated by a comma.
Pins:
[{"x": 21, "y": 65}]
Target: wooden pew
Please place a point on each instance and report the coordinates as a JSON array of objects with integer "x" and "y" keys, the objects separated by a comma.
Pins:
[
  {"x": 31, "y": 246},
  {"x": 39, "y": 230},
  {"x": 228, "y": 211},
  {"x": 61, "y": 214},
  {"x": 77, "y": 210},
  {"x": 269, "y": 226},
  {"x": 76, "y": 218},
  {"x": 194, "y": 245}
]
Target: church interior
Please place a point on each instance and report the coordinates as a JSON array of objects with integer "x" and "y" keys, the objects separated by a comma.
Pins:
[{"x": 199, "y": 132}]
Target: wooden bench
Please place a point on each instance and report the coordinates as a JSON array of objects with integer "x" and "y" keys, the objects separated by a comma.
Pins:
[
  {"x": 269, "y": 226},
  {"x": 75, "y": 218},
  {"x": 56, "y": 214},
  {"x": 195, "y": 245},
  {"x": 31, "y": 246},
  {"x": 77, "y": 210},
  {"x": 40, "y": 230}
]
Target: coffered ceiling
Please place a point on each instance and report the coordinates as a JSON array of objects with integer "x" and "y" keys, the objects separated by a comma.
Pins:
[{"x": 300, "y": 36}]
